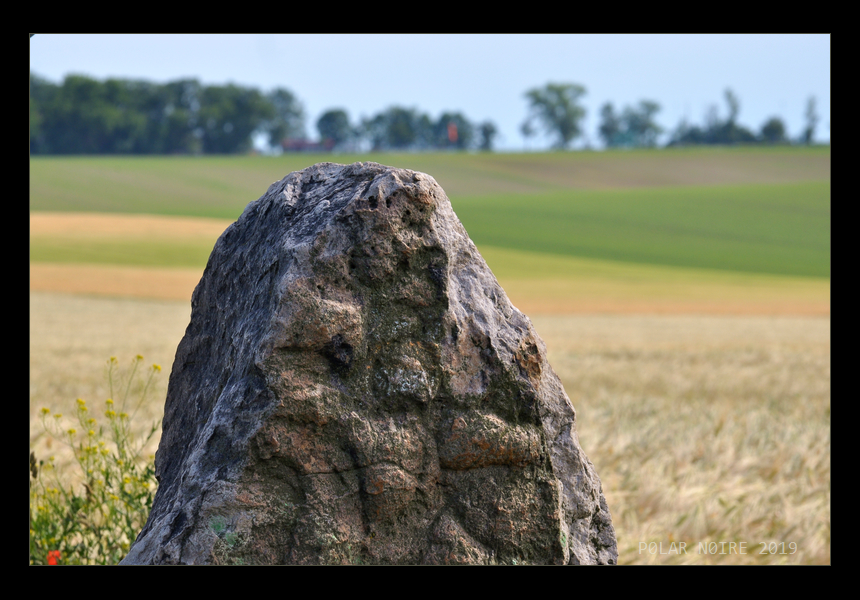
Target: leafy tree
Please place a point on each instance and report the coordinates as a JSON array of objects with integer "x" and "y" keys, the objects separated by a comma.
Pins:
[
  {"x": 42, "y": 94},
  {"x": 488, "y": 132},
  {"x": 640, "y": 123},
  {"x": 773, "y": 131},
  {"x": 407, "y": 128},
  {"x": 811, "y": 121},
  {"x": 374, "y": 130},
  {"x": 730, "y": 132},
  {"x": 229, "y": 115},
  {"x": 734, "y": 106},
  {"x": 528, "y": 131},
  {"x": 687, "y": 135},
  {"x": 610, "y": 126},
  {"x": 556, "y": 107},
  {"x": 635, "y": 127},
  {"x": 334, "y": 125},
  {"x": 85, "y": 116},
  {"x": 453, "y": 131},
  {"x": 715, "y": 130},
  {"x": 399, "y": 128},
  {"x": 287, "y": 119},
  {"x": 174, "y": 116}
]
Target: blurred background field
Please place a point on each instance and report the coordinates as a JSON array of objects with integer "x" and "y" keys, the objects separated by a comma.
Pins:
[{"x": 684, "y": 296}]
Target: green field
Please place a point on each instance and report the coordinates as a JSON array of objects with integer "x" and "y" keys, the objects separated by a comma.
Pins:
[{"x": 741, "y": 210}]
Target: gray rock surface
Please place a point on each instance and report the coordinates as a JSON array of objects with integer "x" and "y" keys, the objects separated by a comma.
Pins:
[{"x": 355, "y": 387}]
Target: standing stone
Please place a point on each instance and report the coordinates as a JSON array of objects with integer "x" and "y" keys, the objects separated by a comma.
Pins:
[{"x": 355, "y": 387}]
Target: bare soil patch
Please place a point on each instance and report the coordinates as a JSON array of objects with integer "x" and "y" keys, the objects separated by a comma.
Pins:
[
  {"x": 532, "y": 297},
  {"x": 122, "y": 225},
  {"x": 115, "y": 281}
]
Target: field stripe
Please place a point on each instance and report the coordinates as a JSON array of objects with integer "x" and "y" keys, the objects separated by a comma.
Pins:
[
  {"x": 116, "y": 281},
  {"x": 607, "y": 293}
]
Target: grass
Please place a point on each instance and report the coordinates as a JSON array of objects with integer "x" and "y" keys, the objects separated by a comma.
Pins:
[
  {"x": 762, "y": 218},
  {"x": 775, "y": 228},
  {"x": 221, "y": 186}
]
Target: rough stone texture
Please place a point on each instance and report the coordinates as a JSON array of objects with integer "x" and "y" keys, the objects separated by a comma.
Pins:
[{"x": 355, "y": 387}]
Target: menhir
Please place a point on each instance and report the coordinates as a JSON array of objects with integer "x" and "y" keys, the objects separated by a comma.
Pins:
[{"x": 355, "y": 387}]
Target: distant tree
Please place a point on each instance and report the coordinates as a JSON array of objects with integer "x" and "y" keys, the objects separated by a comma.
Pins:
[
  {"x": 334, "y": 125},
  {"x": 730, "y": 132},
  {"x": 811, "y": 121},
  {"x": 119, "y": 116},
  {"x": 86, "y": 116},
  {"x": 635, "y": 127},
  {"x": 453, "y": 131},
  {"x": 556, "y": 107},
  {"x": 42, "y": 93},
  {"x": 229, "y": 115},
  {"x": 640, "y": 124},
  {"x": 712, "y": 120},
  {"x": 734, "y": 106},
  {"x": 488, "y": 133},
  {"x": 687, "y": 135},
  {"x": 528, "y": 131},
  {"x": 174, "y": 117},
  {"x": 773, "y": 131},
  {"x": 373, "y": 129},
  {"x": 287, "y": 119},
  {"x": 405, "y": 128},
  {"x": 399, "y": 128},
  {"x": 715, "y": 130},
  {"x": 610, "y": 126}
]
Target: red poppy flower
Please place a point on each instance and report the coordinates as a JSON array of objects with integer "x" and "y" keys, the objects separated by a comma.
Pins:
[{"x": 53, "y": 556}]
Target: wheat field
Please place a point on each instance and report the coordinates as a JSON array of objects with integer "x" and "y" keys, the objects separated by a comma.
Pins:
[{"x": 709, "y": 432}]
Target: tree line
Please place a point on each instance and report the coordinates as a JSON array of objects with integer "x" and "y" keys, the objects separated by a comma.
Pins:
[
  {"x": 82, "y": 115},
  {"x": 557, "y": 109},
  {"x": 118, "y": 116}
]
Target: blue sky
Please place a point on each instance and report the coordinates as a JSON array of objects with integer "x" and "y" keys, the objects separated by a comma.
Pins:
[{"x": 483, "y": 76}]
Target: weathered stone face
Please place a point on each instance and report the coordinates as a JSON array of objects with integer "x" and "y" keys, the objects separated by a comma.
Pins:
[{"x": 355, "y": 387}]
